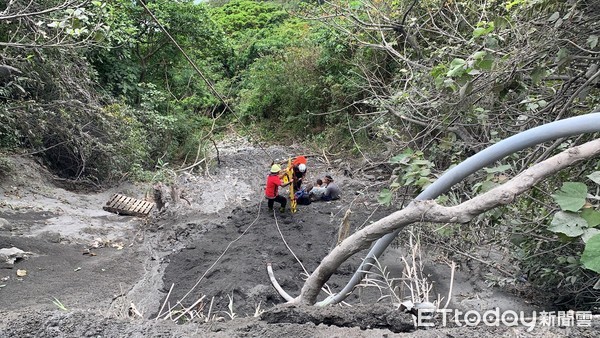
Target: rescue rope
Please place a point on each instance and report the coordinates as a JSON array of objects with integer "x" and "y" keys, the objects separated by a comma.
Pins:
[
  {"x": 287, "y": 246},
  {"x": 220, "y": 256}
]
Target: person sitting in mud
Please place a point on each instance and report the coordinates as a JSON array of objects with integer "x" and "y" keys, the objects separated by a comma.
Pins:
[
  {"x": 316, "y": 192},
  {"x": 272, "y": 189},
  {"x": 332, "y": 191},
  {"x": 302, "y": 196}
]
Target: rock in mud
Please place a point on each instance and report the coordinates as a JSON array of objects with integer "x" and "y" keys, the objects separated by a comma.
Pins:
[
  {"x": 50, "y": 236},
  {"x": 5, "y": 225}
]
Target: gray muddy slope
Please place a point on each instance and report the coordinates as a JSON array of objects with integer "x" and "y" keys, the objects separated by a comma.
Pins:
[{"x": 112, "y": 273}]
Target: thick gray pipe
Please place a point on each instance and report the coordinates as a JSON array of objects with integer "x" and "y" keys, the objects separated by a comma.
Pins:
[{"x": 563, "y": 128}]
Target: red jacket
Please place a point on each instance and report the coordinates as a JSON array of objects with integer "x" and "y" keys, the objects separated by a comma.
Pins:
[
  {"x": 298, "y": 159},
  {"x": 273, "y": 184}
]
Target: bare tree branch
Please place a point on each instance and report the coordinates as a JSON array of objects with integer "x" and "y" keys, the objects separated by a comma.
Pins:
[
  {"x": 40, "y": 25},
  {"x": 5, "y": 15}
]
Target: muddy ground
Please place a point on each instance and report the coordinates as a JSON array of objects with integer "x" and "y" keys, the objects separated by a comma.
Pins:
[{"x": 91, "y": 273}]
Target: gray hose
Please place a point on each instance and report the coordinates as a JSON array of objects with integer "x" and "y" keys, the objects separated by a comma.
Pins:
[{"x": 563, "y": 128}]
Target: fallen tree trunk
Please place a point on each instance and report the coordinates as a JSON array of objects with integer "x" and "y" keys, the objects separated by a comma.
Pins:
[{"x": 430, "y": 211}]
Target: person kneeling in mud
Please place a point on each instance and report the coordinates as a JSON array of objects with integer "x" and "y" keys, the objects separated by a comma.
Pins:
[
  {"x": 272, "y": 189},
  {"x": 332, "y": 191}
]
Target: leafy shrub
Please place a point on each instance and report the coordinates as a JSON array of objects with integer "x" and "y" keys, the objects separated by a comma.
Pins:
[{"x": 5, "y": 167}]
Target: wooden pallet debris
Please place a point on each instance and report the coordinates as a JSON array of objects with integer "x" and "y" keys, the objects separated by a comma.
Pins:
[{"x": 124, "y": 205}]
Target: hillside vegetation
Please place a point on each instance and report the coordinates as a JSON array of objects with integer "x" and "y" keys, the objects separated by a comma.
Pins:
[{"x": 102, "y": 90}]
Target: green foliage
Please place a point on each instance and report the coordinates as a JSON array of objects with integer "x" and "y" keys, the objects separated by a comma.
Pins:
[
  {"x": 494, "y": 177},
  {"x": 567, "y": 223},
  {"x": 595, "y": 177},
  {"x": 69, "y": 25},
  {"x": 566, "y": 264},
  {"x": 591, "y": 216},
  {"x": 239, "y": 16},
  {"x": 288, "y": 72},
  {"x": 483, "y": 29},
  {"x": 571, "y": 196},
  {"x": 5, "y": 166},
  {"x": 413, "y": 171},
  {"x": 591, "y": 255},
  {"x": 254, "y": 29},
  {"x": 574, "y": 221},
  {"x": 285, "y": 88},
  {"x": 9, "y": 134},
  {"x": 59, "y": 304},
  {"x": 145, "y": 54},
  {"x": 385, "y": 196}
]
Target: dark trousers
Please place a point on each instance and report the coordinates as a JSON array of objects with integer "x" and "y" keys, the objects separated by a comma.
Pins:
[
  {"x": 279, "y": 199},
  {"x": 325, "y": 198},
  {"x": 297, "y": 185}
]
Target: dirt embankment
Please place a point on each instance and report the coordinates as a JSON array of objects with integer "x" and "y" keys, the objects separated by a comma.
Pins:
[{"x": 88, "y": 272}]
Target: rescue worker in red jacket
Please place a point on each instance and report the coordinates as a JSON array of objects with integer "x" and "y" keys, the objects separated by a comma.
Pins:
[
  {"x": 299, "y": 173},
  {"x": 272, "y": 189},
  {"x": 299, "y": 170}
]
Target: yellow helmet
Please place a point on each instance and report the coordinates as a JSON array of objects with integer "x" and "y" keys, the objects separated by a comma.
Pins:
[{"x": 275, "y": 168}]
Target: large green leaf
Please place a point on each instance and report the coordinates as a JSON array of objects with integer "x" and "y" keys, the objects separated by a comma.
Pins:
[
  {"x": 568, "y": 223},
  {"x": 483, "y": 29},
  {"x": 498, "y": 169},
  {"x": 591, "y": 216},
  {"x": 385, "y": 197},
  {"x": 457, "y": 67},
  {"x": 595, "y": 176},
  {"x": 591, "y": 254},
  {"x": 477, "y": 32},
  {"x": 562, "y": 57},
  {"x": 484, "y": 64},
  {"x": 356, "y": 4},
  {"x": 592, "y": 41},
  {"x": 589, "y": 233},
  {"x": 487, "y": 186},
  {"x": 571, "y": 196},
  {"x": 538, "y": 74},
  {"x": 479, "y": 55},
  {"x": 403, "y": 158}
]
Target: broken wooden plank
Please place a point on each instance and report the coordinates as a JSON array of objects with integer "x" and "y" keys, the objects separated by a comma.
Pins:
[
  {"x": 125, "y": 205},
  {"x": 146, "y": 208},
  {"x": 136, "y": 204},
  {"x": 117, "y": 203}
]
